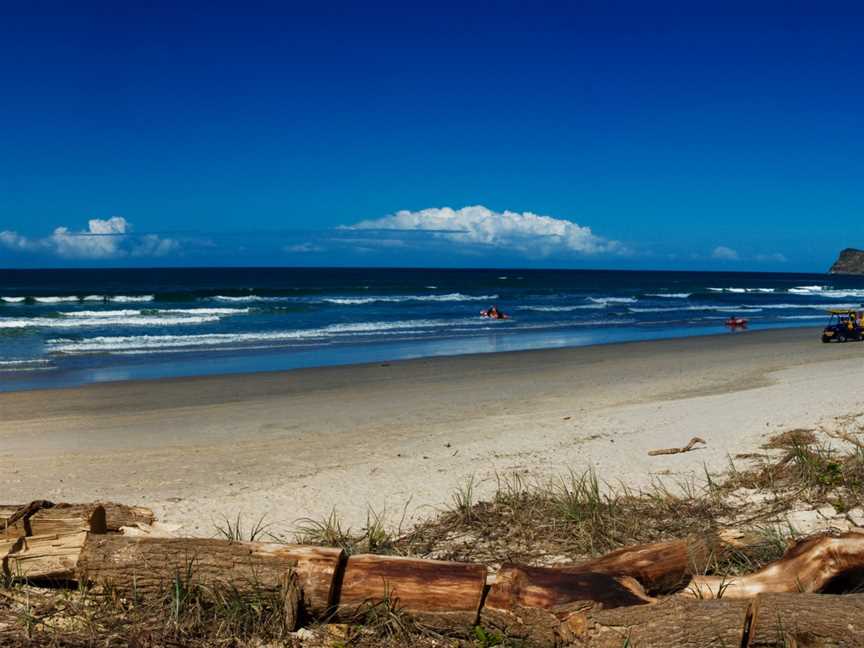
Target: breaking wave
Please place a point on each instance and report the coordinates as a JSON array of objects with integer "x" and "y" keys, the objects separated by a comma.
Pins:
[{"x": 107, "y": 344}]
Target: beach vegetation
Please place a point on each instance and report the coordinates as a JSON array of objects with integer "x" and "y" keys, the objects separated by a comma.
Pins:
[{"x": 511, "y": 517}]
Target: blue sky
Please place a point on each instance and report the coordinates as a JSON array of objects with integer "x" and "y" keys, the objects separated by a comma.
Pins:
[{"x": 263, "y": 134}]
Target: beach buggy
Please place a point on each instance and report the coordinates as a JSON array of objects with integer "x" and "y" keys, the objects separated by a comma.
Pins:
[{"x": 843, "y": 325}]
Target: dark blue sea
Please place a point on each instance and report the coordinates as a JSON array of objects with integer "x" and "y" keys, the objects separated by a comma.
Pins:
[{"x": 72, "y": 327}]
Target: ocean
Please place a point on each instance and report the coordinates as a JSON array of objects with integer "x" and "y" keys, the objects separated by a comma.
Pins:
[{"x": 61, "y": 328}]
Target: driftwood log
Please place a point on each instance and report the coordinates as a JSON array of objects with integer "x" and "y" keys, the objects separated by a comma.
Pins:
[
  {"x": 609, "y": 601},
  {"x": 148, "y": 566},
  {"x": 773, "y": 620},
  {"x": 318, "y": 571},
  {"x": 45, "y": 518},
  {"x": 823, "y": 620},
  {"x": 659, "y": 567},
  {"x": 52, "y": 557},
  {"x": 528, "y": 602},
  {"x": 42, "y": 517},
  {"x": 809, "y": 566},
  {"x": 670, "y": 451},
  {"x": 439, "y": 594}
]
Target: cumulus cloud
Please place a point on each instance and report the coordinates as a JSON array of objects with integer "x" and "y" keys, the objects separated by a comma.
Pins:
[
  {"x": 724, "y": 253},
  {"x": 111, "y": 238},
  {"x": 478, "y": 227}
]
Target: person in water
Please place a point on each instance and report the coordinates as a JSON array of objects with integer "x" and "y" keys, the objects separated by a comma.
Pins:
[{"x": 493, "y": 313}]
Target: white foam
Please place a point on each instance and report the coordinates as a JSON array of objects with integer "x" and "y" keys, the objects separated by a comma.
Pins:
[
  {"x": 824, "y": 291},
  {"x": 165, "y": 312},
  {"x": 79, "y": 322},
  {"x": 25, "y": 365},
  {"x": 562, "y": 309},
  {"x": 13, "y": 300},
  {"x": 157, "y": 342},
  {"x": 245, "y": 298},
  {"x": 129, "y": 299},
  {"x": 55, "y": 300},
  {"x": 613, "y": 300},
  {"x": 721, "y": 309},
  {"x": 739, "y": 291},
  {"x": 451, "y": 297},
  {"x": 669, "y": 295}
]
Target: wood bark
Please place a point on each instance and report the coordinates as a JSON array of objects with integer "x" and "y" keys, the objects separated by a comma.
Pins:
[
  {"x": 438, "y": 594},
  {"x": 801, "y": 620},
  {"x": 58, "y": 519},
  {"x": 318, "y": 570},
  {"x": 809, "y": 566},
  {"x": 659, "y": 567},
  {"x": 684, "y": 623},
  {"x": 527, "y": 602},
  {"x": 120, "y": 515},
  {"x": 148, "y": 566},
  {"x": 773, "y": 620},
  {"x": 51, "y": 557},
  {"x": 44, "y": 518}
]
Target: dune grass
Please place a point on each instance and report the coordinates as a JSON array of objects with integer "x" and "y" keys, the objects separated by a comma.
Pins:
[{"x": 563, "y": 520}]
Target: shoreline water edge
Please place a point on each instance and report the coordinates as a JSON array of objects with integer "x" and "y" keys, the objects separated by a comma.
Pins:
[{"x": 74, "y": 327}]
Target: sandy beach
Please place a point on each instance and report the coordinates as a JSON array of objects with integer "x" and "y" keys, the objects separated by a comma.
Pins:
[{"x": 399, "y": 437}]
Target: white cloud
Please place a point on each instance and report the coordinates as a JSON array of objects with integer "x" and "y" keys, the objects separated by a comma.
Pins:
[
  {"x": 103, "y": 239},
  {"x": 775, "y": 257},
  {"x": 480, "y": 227},
  {"x": 724, "y": 253},
  {"x": 304, "y": 248}
]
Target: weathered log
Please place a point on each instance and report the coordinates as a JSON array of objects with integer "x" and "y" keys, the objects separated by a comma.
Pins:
[
  {"x": 438, "y": 594},
  {"x": 660, "y": 566},
  {"x": 686, "y": 448},
  {"x": 10, "y": 514},
  {"x": 121, "y": 515},
  {"x": 683, "y": 623},
  {"x": 51, "y": 557},
  {"x": 822, "y": 620},
  {"x": 7, "y": 546},
  {"x": 56, "y": 519},
  {"x": 318, "y": 570},
  {"x": 147, "y": 566},
  {"x": 42, "y": 517},
  {"x": 809, "y": 566},
  {"x": 528, "y": 602}
]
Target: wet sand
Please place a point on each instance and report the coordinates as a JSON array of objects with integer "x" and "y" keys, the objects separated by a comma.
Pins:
[{"x": 399, "y": 437}]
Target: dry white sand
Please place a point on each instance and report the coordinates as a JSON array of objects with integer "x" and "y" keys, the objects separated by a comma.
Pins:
[{"x": 401, "y": 436}]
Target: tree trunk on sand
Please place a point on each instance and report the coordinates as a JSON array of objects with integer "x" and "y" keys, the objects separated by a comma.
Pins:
[
  {"x": 528, "y": 602},
  {"x": 318, "y": 570},
  {"x": 148, "y": 566},
  {"x": 822, "y": 620},
  {"x": 437, "y": 594},
  {"x": 120, "y": 515},
  {"x": 659, "y": 567},
  {"x": 45, "y": 518},
  {"x": 45, "y": 558},
  {"x": 772, "y": 620},
  {"x": 672, "y": 622},
  {"x": 809, "y": 566}
]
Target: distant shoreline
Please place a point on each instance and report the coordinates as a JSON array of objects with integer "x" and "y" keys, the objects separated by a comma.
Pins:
[{"x": 32, "y": 382}]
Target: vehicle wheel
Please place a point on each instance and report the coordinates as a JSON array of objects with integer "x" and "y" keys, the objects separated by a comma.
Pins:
[
  {"x": 841, "y": 338},
  {"x": 826, "y": 340}
]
